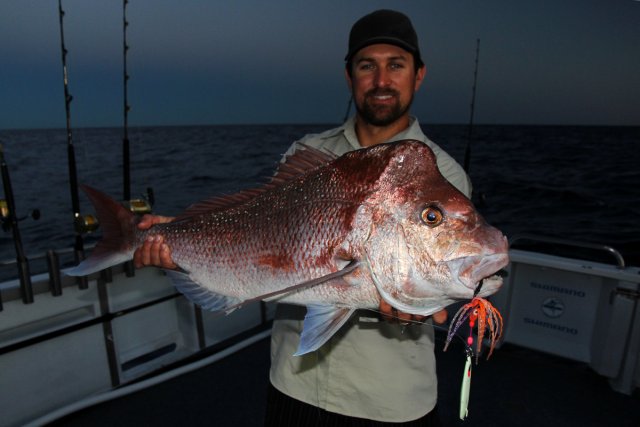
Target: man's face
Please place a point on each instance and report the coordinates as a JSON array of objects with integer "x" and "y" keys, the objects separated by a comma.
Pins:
[{"x": 383, "y": 81}]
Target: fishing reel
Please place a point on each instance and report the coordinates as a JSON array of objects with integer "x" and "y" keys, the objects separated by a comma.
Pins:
[
  {"x": 141, "y": 206},
  {"x": 138, "y": 206},
  {"x": 85, "y": 224},
  {"x": 5, "y": 215}
]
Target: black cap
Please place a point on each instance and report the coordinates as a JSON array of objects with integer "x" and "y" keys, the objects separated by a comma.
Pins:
[{"x": 384, "y": 26}]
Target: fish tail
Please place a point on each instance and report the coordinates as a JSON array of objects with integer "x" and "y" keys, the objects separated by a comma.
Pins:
[{"x": 118, "y": 235}]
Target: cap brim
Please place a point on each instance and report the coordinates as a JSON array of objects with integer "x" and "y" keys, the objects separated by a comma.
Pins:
[{"x": 381, "y": 40}]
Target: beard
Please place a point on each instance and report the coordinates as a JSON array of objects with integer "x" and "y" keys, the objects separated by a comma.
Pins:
[{"x": 382, "y": 115}]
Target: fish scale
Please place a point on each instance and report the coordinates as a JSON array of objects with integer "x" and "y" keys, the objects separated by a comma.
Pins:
[{"x": 284, "y": 249}]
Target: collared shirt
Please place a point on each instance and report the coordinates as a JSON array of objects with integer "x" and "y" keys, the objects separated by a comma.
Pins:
[{"x": 369, "y": 369}]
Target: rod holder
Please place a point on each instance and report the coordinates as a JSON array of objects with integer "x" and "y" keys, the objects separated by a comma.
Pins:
[
  {"x": 129, "y": 269},
  {"x": 55, "y": 280},
  {"x": 106, "y": 275},
  {"x": 26, "y": 288},
  {"x": 81, "y": 281}
]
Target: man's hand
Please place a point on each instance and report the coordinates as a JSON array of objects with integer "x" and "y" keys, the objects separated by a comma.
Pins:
[
  {"x": 154, "y": 251},
  {"x": 392, "y": 315},
  {"x": 440, "y": 317}
]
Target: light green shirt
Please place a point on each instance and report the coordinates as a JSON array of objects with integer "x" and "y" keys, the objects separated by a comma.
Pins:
[{"x": 369, "y": 369}]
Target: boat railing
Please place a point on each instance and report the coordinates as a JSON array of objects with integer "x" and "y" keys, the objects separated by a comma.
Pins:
[
  {"x": 568, "y": 298},
  {"x": 42, "y": 255},
  {"x": 620, "y": 263},
  {"x": 50, "y": 262}
]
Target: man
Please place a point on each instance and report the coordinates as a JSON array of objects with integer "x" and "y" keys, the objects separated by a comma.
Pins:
[{"x": 371, "y": 371}]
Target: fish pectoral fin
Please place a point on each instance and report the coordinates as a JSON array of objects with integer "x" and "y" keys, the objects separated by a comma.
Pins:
[
  {"x": 199, "y": 295},
  {"x": 308, "y": 284},
  {"x": 320, "y": 323}
]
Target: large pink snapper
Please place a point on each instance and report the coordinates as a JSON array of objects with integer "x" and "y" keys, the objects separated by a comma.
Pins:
[{"x": 334, "y": 234}]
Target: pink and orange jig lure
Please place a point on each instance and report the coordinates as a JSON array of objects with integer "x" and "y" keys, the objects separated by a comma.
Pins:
[{"x": 486, "y": 315}]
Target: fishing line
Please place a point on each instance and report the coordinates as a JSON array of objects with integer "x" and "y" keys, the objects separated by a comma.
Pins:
[
  {"x": 467, "y": 154},
  {"x": 467, "y": 347},
  {"x": 477, "y": 290},
  {"x": 465, "y": 387}
]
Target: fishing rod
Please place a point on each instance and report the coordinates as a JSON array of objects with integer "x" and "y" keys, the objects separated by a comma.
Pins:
[
  {"x": 126, "y": 150},
  {"x": 346, "y": 114},
  {"x": 10, "y": 220},
  {"x": 126, "y": 167},
  {"x": 81, "y": 224},
  {"x": 467, "y": 152},
  {"x": 138, "y": 206}
]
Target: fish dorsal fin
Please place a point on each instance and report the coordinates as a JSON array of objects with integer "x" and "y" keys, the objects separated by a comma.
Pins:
[
  {"x": 298, "y": 163},
  {"x": 320, "y": 323},
  {"x": 219, "y": 203},
  {"x": 199, "y": 295},
  {"x": 301, "y": 161}
]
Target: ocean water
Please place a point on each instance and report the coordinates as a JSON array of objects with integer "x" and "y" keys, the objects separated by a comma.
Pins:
[{"x": 578, "y": 183}]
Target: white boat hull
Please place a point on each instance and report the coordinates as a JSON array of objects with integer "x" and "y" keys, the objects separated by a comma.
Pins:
[{"x": 61, "y": 349}]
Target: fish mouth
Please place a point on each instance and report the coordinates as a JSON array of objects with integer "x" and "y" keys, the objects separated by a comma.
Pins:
[
  {"x": 498, "y": 277},
  {"x": 480, "y": 273}
]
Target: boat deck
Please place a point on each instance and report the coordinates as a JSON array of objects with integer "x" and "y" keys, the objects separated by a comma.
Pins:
[{"x": 516, "y": 387}]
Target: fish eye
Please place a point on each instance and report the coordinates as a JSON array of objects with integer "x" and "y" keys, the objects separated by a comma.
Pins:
[{"x": 431, "y": 216}]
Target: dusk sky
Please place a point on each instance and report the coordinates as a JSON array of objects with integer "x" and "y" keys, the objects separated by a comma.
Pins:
[{"x": 192, "y": 62}]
